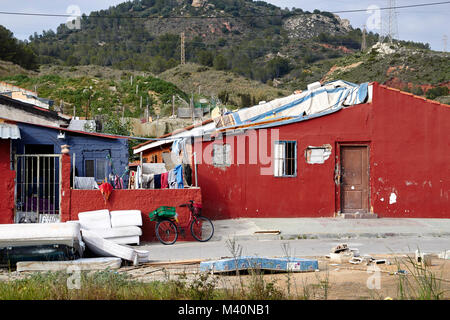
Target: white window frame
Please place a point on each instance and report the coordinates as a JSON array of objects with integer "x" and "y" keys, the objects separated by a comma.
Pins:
[{"x": 281, "y": 157}]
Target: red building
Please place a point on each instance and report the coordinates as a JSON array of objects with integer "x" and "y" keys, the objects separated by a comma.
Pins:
[{"x": 389, "y": 157}]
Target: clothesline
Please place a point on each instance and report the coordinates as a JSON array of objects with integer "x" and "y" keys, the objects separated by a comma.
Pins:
[{"x": 172, "y": 179}]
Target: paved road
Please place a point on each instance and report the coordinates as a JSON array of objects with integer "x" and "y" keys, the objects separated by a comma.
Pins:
[{"x": 297, "y": 248}]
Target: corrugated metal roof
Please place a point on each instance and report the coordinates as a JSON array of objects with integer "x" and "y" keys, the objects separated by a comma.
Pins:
[{"x": 9, "y": 131}]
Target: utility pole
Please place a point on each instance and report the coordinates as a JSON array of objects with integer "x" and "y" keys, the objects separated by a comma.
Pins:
[
  {"x": 444, "y": 40},
  {"x": 147, "y": 115},
  {"x": 173, "y": 105},
  {"x": 183, "y": 50},
  {"x": 191, "y": 102},
  {"x": 363, "y": 42}
]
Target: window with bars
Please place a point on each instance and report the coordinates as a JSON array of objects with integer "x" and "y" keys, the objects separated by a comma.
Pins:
[{"x": 285, "y": 159}]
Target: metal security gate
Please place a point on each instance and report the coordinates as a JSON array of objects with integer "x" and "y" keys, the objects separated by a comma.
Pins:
[{"x": 38, "y": 188}]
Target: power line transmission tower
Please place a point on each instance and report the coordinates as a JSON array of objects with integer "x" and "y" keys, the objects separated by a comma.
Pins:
[
  {"x": 444, "y": 40},
  {"x": 389, "y": 26},
  {"x": 183, "y": 50},
  {"x": 363, "y": 42}
]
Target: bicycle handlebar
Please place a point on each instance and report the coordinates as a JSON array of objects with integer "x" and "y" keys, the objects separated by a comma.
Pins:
[{"x": 187, "y": 204}]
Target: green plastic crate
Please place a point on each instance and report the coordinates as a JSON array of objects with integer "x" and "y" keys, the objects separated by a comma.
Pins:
[{"x": 163, "y": 212}]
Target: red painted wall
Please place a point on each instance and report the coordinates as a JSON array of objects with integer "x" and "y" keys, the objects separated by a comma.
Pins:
[
  {"x": 6, "y": 184},
  {"x": 408, "y": 138},
  {"x": 76, "y": 201}
]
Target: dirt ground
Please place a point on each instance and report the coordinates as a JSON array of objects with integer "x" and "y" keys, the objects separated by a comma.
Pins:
[{"x": 332, "y": 281}]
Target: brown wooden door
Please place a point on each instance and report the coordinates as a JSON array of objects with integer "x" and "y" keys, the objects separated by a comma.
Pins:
[{"x": 354, "y": 179}]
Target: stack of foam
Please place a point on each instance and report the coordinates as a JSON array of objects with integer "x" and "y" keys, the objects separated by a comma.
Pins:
[
  {"x": 121, "y": 227},
  {"x": 107, "y": 233}
]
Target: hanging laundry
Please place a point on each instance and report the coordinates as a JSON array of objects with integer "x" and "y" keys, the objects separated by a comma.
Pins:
[
  {"x": 176, "y": 147},
  {"x": 164, "y": 180},
  {"x": 172, "y": 180},
  {"x": 187, "y": 174},
  {"x": 179, "y": 176},
  {"x": 157, "y": 180},
  {"x": 118, "y": 182},
  {"x": 131, "y": 181},
  {"x": 138, "y": 179},
  {"x": 148, "y": 181}
]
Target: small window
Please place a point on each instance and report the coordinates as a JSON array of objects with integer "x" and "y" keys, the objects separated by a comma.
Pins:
[
  {"x": 95, "y": 168},
  {"x": 221, "y": 155},
  {"x": 285, "y": 159}
]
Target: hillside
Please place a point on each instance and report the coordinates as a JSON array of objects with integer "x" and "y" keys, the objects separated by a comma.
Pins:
[
  {"x": 8, "y": 68},
  {"x": 239, "y": 51},
  {"x": 109, "y": 96},
  {"x": 230, "y": 88},
  {"x": 251, "y": 38},
  {"x": 420, "y": 71}
]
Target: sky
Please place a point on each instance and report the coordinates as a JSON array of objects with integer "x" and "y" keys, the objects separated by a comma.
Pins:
[{"x": 421, "y": 24}]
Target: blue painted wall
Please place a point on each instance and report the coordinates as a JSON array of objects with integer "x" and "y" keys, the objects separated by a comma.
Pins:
[{"x": 85, "y": 147}]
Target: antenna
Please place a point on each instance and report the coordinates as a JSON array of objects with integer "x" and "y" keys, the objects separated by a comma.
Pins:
[
  {"x": 183, "y": 51},
  {"x": 444, "y": 41}
]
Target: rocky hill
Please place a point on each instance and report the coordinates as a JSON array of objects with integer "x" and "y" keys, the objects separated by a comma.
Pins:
[
  {"x": 254, "y": 39},
  {"x": 420, "y": 71}
]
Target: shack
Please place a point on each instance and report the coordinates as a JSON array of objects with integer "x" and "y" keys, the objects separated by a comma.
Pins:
[{"x": 335, "y": 150}]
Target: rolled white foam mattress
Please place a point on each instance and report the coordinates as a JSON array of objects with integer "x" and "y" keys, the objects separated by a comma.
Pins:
[
  {"x": 107, "y": 248},
  {"x": 125, "y": 218},
  {"x": 98, "y": 219}
]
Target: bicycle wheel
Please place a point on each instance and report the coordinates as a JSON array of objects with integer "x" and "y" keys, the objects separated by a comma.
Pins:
[
  {"x": 166, "y": 232},
  {"x": 202, "y": 229}
]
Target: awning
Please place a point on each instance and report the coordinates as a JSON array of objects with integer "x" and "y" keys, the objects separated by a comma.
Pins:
[{"x": 9, "y": 131}]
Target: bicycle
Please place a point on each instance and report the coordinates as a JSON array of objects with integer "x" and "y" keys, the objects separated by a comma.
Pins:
[{"x": 168, "y": 227}]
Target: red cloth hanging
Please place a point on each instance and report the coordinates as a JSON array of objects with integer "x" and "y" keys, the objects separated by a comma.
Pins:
[{"x": 164, "y": 180}]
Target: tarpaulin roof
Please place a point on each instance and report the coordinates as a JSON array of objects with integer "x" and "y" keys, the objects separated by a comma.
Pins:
[
  {"x": 9, "y": 131},
  {"x": 332, "y": 95}
]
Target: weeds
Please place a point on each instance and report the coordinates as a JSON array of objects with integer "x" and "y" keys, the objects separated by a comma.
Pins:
[{"x": 418, "y": 283}]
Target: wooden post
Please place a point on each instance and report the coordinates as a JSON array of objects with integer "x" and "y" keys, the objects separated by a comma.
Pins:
[
  {"x": 173, "y": 105},
  {"x": 191, "y": 102}
]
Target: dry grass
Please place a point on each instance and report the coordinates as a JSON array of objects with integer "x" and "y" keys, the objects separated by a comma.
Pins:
[
  {"x": 190, "y": 77},
  {"x": 173, "y": 282}
]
